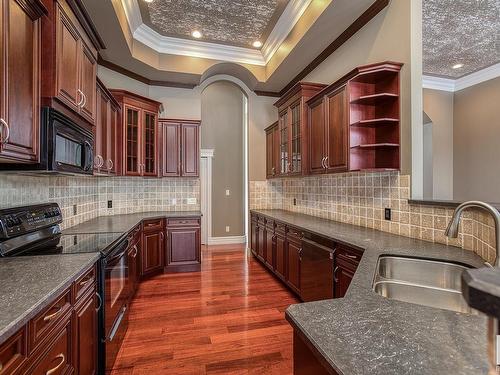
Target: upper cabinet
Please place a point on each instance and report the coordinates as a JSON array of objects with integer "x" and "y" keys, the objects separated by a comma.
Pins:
[
  {"x": 292, "y": 129},
  {"x": 69, "y": 61},
  {"x": 138, "y": 121},
  {"x": 180, "y": 147},
  {"x": 106, "y": 131},
  {"x": 20, "y": 51},
  {"x": 272, "y": 150}
]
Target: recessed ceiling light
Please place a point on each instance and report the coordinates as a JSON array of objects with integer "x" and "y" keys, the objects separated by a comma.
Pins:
[
  {"x": 148, "y": 1},
  {"x": 196, "y": 34},
  {"x": 457, "y": 66},
  {"x": 257, "y": 44}
]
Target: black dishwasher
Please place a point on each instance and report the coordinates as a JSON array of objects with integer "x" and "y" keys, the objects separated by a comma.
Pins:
[{"x": 316, "y": 270}]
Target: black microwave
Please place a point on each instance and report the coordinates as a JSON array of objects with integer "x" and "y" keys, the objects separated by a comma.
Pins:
[{"x": 65, "y": 147}]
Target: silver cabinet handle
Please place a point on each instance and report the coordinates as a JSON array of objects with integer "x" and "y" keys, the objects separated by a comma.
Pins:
[
  {"x": 326, "y": 162},
  {"x": 79, "y": 104},
  {"x": 100, "y": 301},
  {"x": 323, "y": 163},
  {"x": 84, "y": 99},
  {"x": 273, "y": 171},
  {"x": 110, "y": 164},
  {"x": 61, "y": 362},
  {"x": 98, "y": 161},
  {"x": 136, "y": 250},
  {"x": 7, "y": 131},
  {"x": 335, "y": 274}
]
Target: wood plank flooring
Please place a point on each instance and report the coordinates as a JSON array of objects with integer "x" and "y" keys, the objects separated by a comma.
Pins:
[{"x": 227, "y": 319}]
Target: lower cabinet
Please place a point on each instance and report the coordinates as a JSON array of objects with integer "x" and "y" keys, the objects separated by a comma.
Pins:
[
  {"x": 153, "y": 241},
  {"x": 304, "y": 360},
  {"x": 313, "y": 267},
  {"x": 134, "y": 266},
  {"x": 86, "y": 336},
  {"x": 183, "y": 245}
]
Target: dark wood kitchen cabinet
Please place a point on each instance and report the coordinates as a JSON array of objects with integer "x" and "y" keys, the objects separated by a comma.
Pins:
[
  {"x": 106, "y": 132},
  {"x": 20, "y": 52},
  {"x": 180, "y": 147},
  {"x": 292, "y": 128},
  {"x": 69, "y": 59},
  {"x": 270, "y": 244},
  {"x": 294, "y": 259},
  {"x": 134, "y": 265},
  {"x": 280, "y": 266},
  {"x": 346, "y": 262},
  {"x": 153, "y": 242},
  {"x": 261, "y": 239},
  {"x": 86, "y": 338},
  {"x": 139, "y": 128},
  {"x": 272, "y": 150},
  {"x": 183, "y": 245}
]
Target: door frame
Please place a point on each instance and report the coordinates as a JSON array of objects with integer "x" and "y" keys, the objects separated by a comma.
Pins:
[{"x": 206, "y": 194}]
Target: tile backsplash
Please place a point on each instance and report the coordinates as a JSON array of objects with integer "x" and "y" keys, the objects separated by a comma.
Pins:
[
  {"x": 360, "y": 199},
  {"x": 91, "y": 194}
]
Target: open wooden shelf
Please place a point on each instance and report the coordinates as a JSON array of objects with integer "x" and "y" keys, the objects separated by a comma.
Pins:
[
  {"x": 372, "y": 146},
  {"x": 374, "y": 99},
  {"x": 376, "y": 122}
]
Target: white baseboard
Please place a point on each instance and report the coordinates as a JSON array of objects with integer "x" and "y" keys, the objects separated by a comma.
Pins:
[{"x": 227, "y": 240}]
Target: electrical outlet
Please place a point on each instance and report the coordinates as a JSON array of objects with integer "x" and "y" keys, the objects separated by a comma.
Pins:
[
  {"x": 110, "y": 204},
  {"x": 174, "y": 201},
  {"x": 294, "y": 201},
  {"x": 191, "y": 201},
  {"x": 75, "y": 209},
  {"x": 387, "y": 214},
  {"x": 228, "y": 193},
  {"x": 227, "y": 229}
]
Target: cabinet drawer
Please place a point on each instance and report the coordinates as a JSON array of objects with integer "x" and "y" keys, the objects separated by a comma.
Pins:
[
  {"x": 58, "y": 359},
  {"x": 13, "y": 353},
  {"x": 280, "y": 228},
  {"x": 85, "y": 283},
  {"x": 294, "y": 235},
  {"x": 190, "y": 222},
  {"x": 43, "y": 324},
  {"x": 349, "y": 254},
  {"x": 153, "y": 225}
]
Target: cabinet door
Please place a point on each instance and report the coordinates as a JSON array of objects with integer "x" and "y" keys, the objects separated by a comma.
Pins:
[
  {"x": 112, "y": 139},
  {"x": 132, "y": 140},
  {"x": 19, "y": 82},
  {"x": 190, "y": 150},
  {"x": 284, "y": 139},
  {"x": 67, "y": 61},
  {"x": 270, "y": 159},
  {"x": 133, "y": 268},
  {"x": 295, "y": 166},
  {"x": 101, "y": 131},
  {"x": 171, "y": 147},
  {"x": 280, "y": 264},
  {"x": 337, "y": 132},
  {"x": 254, "y": 233},
  {"x": 342, "y": 277},
  {"x": 294, "y": 261},
  {"x": 261, "y": 243},
  {"x": 88, "y": 74},
  {"x": 269, "y": 255},
  {"x": 86, "y": 337},
  {"x": 183, "y": 247},
  {"x": 317, "y": 138},
  {"x": 149, "y": 140},
  {"x": 152, "y": 252}
]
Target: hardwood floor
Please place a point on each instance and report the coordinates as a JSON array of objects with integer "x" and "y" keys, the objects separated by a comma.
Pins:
[{"x": 227, "y": 319}]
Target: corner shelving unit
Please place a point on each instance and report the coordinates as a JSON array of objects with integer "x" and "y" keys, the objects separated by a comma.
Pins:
[{"x": 374, "y": 118}]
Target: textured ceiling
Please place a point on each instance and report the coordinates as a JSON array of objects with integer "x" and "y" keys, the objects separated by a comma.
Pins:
[
  {"x": 460, "y": 31},
  {"x": 232, "y": 22}
]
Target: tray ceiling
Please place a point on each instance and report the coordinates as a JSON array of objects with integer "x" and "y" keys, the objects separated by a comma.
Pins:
[
  {"x": 236, "y": 23},
  {"x": 460, "y": 32}
]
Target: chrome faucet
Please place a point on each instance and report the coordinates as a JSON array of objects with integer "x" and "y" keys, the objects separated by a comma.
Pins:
[{"x": 493, "y": 323}]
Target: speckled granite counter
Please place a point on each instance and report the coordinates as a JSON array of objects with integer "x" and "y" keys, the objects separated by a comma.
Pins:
[
  {"x": 365, "y": 333},
  {"x": 124, "y": 223},
  {"x": 29, "y": 284}
]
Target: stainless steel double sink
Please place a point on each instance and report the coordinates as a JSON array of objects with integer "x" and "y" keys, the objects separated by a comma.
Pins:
[{"x": 433, "y": 283}]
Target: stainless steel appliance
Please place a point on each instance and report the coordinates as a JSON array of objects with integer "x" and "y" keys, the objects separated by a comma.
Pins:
[
  {"x": 35, "y": 230},
  {"x": 65, "y": 147}
]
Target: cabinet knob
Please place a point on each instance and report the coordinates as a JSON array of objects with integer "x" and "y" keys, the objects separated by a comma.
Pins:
[{"x": 5, "y": 126}]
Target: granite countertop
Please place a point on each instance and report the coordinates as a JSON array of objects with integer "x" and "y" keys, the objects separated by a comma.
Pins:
[
  {"x": 124, "y": 223},
  {"x": 365, "y": 333},
  {"x": 30, "y": 283}
]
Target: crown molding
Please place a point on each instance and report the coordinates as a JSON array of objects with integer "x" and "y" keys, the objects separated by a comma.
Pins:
[
  {"x": 196, "y": 48},
  {"x": 292, "y": 13},
  {"x": 453, "y": 85}
]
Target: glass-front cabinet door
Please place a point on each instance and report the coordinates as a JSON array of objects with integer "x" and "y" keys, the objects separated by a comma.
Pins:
[
  {"x": 150, "y": 136},
  {"x": 295, "y": 166},
  {"x": 283, "y": 136},
  {"x": 132, "y": 141}
]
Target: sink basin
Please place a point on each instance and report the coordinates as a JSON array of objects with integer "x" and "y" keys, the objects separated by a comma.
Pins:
[{"x": 433, "y": 283}]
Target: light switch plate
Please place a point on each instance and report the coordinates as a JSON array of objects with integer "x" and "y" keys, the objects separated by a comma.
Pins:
[
  {"x": 227, "y": 229},
  {"x": 191, "y": 201},
  {"x": 228, "y": 193},
  {"x": 174, "y": 201}
]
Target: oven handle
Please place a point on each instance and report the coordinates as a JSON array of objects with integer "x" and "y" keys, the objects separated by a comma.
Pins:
[
  {"x": 117, "y": 324},
  {"x": 89, "y": 156}
]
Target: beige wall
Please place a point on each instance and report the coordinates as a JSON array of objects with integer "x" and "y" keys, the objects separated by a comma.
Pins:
[
  {"x": 438, "y": 105},
  {"x": 222, "y": 105},
  {"x": 476, "y": 142},
  {"x": 386, "y": 37}
]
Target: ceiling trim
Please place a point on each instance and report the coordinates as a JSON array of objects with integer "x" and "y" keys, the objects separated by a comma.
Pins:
[
  {"x": 195, "y": 48},
  {"x": 216, "y": 51},
  {"x": 453, "y": 85},
  {"x": 357, "y": 25},
  {"x": 290, "y": 16}
]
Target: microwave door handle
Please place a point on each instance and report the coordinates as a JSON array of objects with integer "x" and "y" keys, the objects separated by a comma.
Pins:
[{"x": 89, "y": 156}]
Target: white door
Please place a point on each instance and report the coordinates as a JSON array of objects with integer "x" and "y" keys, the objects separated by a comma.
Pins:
[{"x": 204, "y": 200}]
